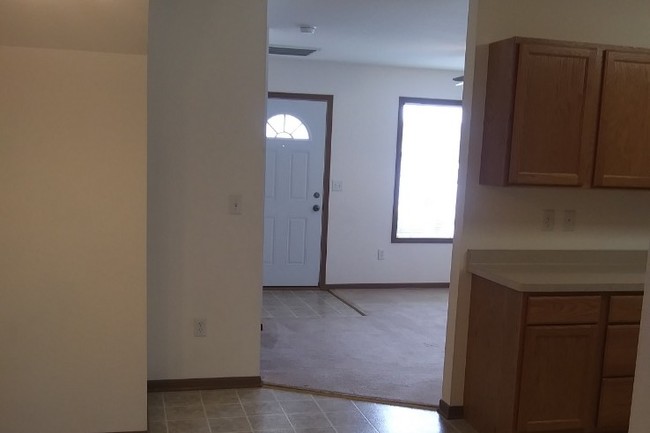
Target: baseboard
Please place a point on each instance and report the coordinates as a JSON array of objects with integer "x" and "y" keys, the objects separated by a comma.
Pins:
[
  {"x": 204, "y": 383},
  {"x": 450, "y": 412},
  {"x": 388, "y": 286}
]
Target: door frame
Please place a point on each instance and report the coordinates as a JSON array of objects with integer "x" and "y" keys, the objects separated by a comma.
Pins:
[{"x": 329, "y": 100}]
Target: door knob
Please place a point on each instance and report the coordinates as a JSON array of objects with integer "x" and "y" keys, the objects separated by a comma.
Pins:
[{"x": 316, "y": 208}]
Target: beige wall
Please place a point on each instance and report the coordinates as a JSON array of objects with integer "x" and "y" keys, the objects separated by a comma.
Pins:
[
  {"x": 494, "y": 217},
  {"x": 72, "y": 241},
  {"x": 207, "y": 93}
]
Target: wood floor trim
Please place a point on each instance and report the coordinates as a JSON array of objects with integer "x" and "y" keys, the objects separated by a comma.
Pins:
[
  {"x": 388, "y": 286},
  {"x": 343, "y": 395},
  {"x": 450, "y": 412},
  {"x": 204, "y": 383}
]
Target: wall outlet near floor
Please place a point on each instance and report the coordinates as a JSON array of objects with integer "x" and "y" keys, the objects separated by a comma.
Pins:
[
  {"x": 569, "y": 222},
  {"x": 548, "y": 220},
  {"x": 380, "y": 254},
  {"x": 200, "y": 328}
]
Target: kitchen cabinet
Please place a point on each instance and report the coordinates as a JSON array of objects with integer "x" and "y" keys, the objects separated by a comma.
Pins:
[
  {"x": 623, "y": 152},
  {"x": 544, "y": 123},
  {"x": 549, "y": 362}
]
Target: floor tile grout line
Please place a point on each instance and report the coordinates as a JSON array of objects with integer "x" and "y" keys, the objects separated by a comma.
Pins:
[
  {"x": 165, "y": 413},
  {"x": 336, "y": 430},
  {"x": 205, "y": 412},
  {"x": 364, "y": 416},
  {"x": 241, "y": 403},
  {"x": 285, "y": 412}
]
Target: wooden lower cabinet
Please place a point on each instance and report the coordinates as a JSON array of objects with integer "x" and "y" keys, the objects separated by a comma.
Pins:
[
  {"x": 533, "y": 366},
  {"x": 615, "y": 404},
  {"x": 557, "y": 378}
]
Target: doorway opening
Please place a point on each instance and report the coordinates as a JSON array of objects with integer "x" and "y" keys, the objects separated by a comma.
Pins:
[{"x": 376, "y": 326}]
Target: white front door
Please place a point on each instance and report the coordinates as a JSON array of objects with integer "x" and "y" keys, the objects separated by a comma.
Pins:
[{"x": 295, "y": 155}]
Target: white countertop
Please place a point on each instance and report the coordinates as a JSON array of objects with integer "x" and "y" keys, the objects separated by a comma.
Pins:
[{"x": 561, "y": 271}]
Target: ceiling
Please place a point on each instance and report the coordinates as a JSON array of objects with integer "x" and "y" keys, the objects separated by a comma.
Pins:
[{"x": 411, "y": 33}]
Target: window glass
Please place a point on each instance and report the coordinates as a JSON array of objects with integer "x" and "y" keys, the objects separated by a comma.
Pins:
[
  {"x": 427, "y": 170},
  {"x": 286, "y": 126}
]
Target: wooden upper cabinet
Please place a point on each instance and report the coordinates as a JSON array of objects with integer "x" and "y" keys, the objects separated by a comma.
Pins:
[
  {"x": 566, "y": 114},
  {"x": 623, "y": 151},
  {"x": 541, "y": 112},
  {"x": 554, "y": 125}
]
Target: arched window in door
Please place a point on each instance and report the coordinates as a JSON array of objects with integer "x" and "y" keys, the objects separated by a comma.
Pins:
[{"x": 286, "y": 126}]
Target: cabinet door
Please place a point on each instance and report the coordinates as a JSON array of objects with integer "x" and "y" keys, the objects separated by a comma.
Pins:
[
  {"x": 555, "y": 116},
  {"x": 623, "y": 152},
  {"x": 559, "y": 378},
  {"x": 620, "y": 350},
  {"x": 615, "y": 404}
]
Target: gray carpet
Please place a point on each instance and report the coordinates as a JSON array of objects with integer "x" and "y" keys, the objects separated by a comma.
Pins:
[{"x": 394, "y": 353}]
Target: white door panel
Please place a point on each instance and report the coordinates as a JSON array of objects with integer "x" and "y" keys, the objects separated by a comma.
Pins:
[{"x": 294, "y": 173}]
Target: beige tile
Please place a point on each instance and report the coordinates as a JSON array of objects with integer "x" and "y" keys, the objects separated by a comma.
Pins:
[
  {"x": 182, "y": 398},
  {"x": 222, "y": 396},
  {"x": 213, "y": 410},
  {"x": 329, "y": 404},
  {"x": 316, "y": 430},
  {"x": 290, "y": 430},
  {"x": 309, "y": 420},
  {"x": 347, "y": 418},
  {"x": 262, "y": 407},
  {"x": 157, "y": 427},
  {"x": 291, "y": 396},
  {"x": 188, "y": 426},
  {"x": 154, "y": 399},
  {"x": 460, "y": 426},
  {"x": 156, "y": 413},
  {"x": 269, "y": 422},
  {"x": 229, "y": 425},
  {"x": 194, "y": 411},
  {"x": 255, "y": 395},
  {"x": 300, "y": 406},
  {"x": 356, "y": 429}
]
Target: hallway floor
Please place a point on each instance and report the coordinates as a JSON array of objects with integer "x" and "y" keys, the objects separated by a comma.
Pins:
[
  {"x": 266, "y": 410},
  {"x": 394, "y": 353}
]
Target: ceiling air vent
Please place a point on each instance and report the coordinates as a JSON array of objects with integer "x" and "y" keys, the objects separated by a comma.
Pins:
[{"x": 290, "y": 51}]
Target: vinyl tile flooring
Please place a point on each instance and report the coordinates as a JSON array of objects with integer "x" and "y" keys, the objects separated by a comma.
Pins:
[
  {"x": 303, "y": 304},
  {"x": 266, "y": 410}
]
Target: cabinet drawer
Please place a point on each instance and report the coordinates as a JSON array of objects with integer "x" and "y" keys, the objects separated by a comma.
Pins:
[
  {"x": 620, "y": 350},
  {"x": 560, "y": 310},
  {"x": 615, "y": 404},
  {"x": 625, "y": 309}
]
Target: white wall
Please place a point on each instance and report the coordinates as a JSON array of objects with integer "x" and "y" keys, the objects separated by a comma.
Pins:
[
  {"x": 364, "y": 138},
  {"x": 72, "y": 241},
  {"x": 207, "y": 93},
  {"x": 496, "y": 217}
]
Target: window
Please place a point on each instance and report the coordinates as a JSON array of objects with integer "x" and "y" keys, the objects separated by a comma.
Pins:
[
  {"x": 428, "y": 140},
  {"x": 286, "y": 126}
]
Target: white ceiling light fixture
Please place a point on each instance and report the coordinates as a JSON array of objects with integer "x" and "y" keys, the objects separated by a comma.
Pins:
[{"x": 309, "y": 30}]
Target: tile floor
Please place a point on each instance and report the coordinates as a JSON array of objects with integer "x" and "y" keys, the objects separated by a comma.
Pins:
[
  {"x": 303, "y": 304},
  {"x": 265, "y": 410}
]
